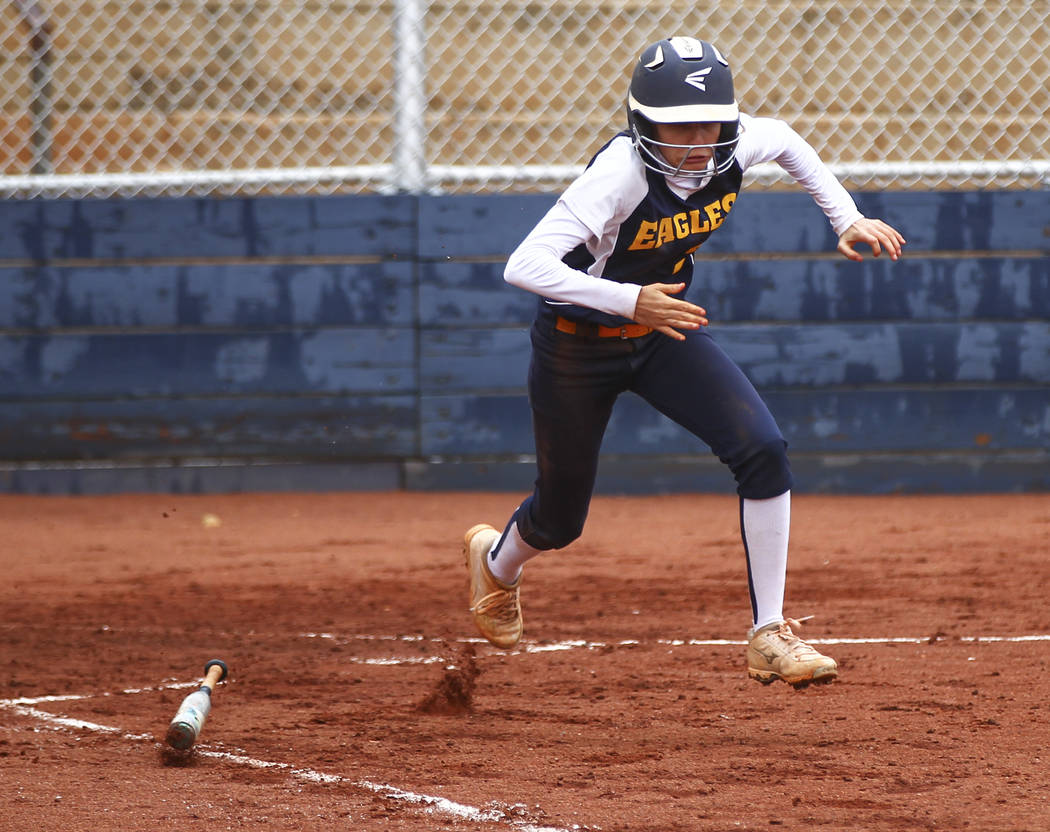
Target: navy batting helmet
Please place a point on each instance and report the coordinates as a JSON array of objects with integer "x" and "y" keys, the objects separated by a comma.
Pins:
[{"x": 681, "y": 80}]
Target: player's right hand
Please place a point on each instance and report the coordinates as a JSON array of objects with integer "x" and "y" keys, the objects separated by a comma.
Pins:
[{"x": 656, "y": 308}]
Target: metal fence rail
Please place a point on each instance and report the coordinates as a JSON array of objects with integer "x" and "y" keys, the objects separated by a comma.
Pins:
[{"x": 279, "y": 96}]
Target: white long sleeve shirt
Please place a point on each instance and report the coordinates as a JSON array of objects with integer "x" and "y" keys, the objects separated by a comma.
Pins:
[{"x": 593, "y": 209}]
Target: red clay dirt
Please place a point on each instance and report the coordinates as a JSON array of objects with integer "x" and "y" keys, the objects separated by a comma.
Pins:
[{"x": 359, "y": 697}]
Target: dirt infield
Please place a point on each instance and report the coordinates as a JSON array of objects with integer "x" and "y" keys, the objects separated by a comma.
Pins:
[{"x": 359, "y": 697}]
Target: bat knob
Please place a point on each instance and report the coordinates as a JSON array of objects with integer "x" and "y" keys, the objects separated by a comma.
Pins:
[{"x": 220, "y": 663}]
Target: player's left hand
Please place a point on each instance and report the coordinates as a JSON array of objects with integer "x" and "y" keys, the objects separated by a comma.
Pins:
[{"x": 875, "y": 233}]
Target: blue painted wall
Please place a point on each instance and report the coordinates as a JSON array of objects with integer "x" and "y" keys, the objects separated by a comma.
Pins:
[{"x": 370, "y": 342}]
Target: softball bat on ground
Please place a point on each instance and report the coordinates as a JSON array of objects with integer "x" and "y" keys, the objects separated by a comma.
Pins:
[{"x": 189, "y": 719}]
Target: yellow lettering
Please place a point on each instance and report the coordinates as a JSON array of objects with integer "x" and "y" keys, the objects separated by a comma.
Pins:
[
  {"x": 645, "y": 237},
  {"x": 666, "y": 232},
  {"x": 694, "y": 223},
  {"x": 715, "y": 213},
  {"x": 697, "y": 221}
]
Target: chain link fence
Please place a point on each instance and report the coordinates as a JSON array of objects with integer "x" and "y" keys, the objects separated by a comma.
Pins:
[{"x": 102, "y": 98}]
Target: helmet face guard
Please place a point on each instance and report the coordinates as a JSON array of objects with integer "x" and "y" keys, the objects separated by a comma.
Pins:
[
  {"x": 723, "y": 152},
  {"x": 676, "y": 81}
]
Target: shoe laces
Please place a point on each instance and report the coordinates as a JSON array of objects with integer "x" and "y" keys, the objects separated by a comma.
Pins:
[
  {"x": 500, "y": 605},
  {"x": 795, "y": 646}
]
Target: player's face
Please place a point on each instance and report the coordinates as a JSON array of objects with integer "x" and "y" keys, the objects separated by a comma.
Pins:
[{"x": 688, "y": 140}]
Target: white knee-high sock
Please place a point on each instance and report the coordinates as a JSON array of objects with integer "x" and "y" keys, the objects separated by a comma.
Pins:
[
  {"x": 764, "y": 525},
  {"x": 509, "y": 554}
]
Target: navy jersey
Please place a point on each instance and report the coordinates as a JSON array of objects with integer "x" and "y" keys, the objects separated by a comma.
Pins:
[{"x": 655, "y": 243}]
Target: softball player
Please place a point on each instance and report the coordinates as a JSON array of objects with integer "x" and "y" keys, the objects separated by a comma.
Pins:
[{"x": 611, "y": 263}]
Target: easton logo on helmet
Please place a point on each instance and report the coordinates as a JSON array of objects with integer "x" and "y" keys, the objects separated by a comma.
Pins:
[{"x": 698, "y": 79}]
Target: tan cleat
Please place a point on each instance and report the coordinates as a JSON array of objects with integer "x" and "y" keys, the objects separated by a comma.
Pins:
[
  {"x": 775, "y": 652},
  {"x": 495, "y": 605}
]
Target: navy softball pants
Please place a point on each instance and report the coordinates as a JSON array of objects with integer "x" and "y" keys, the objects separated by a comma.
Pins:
[{"x": 574, "y": 382}]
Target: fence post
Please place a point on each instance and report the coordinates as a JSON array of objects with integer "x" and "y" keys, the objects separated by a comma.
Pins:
[{"x": 409, "y": 173}]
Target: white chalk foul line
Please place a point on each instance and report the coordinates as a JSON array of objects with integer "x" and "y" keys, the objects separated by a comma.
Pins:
[
  {"x": 527, "y": 648},
  {"x": 67, "y": 722},
  {"x": 429, "y": 804},
  {"x": 72, "y": 697}
]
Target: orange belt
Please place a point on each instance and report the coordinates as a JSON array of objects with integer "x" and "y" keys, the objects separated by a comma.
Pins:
[{"x": 590, "y": 330}]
